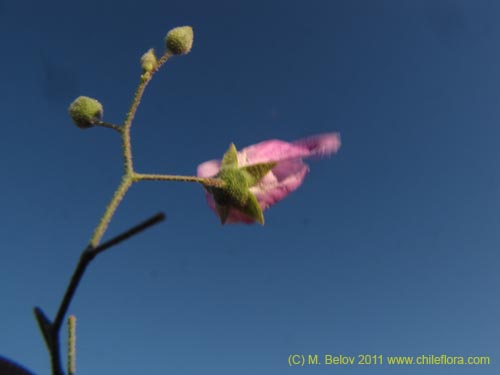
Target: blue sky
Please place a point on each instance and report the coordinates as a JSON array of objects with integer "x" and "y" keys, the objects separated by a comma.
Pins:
[{"x": 390, "y": 247}]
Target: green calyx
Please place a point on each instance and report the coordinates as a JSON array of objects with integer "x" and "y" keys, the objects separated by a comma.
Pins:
[
  {"x": 236, "y": 192},
  {"x": 179, "y": 41},
  {"x": 85, "y": 112}
]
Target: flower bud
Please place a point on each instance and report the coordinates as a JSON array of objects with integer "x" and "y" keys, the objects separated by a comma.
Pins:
[
  {"x": 85, "y": 112},
  {"x": 180, "y": 40},
  {"x": 148, "y": 61}
]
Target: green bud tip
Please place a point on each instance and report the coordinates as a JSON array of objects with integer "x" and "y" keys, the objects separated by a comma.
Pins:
[
  {"x": 180, "y": 40},
  {"x": 85, "y": 112},
  {"x": 149, "y": 61}
]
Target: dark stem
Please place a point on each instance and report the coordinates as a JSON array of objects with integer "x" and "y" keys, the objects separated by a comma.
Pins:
[
  {"x": 70, "y": 291},
  {"x": 50, "y": 330}
]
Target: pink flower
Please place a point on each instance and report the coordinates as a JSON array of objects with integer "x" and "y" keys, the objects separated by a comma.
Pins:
[{"x": 282, "y": 168}]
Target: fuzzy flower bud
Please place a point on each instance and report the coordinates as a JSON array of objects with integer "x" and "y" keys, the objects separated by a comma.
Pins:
[
  {"x": 180, "y": 40},
  {"x": 85, "y": 112},
  {"x": 148, "y": 61}
]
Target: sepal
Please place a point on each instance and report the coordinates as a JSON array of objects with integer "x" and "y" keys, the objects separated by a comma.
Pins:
[
  {"x": 230, "y": 158},
  {"x": 256, "y": 172}
]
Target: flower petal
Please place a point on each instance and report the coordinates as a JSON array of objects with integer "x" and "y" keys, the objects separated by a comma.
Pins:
[
  {"x": 236, "y": 216},
  {"x": 321, "y": 144},
  {"x": 273, "y": 150},
  {"x": 286, "y": 177},
  {"x": 208, "y": 169}
]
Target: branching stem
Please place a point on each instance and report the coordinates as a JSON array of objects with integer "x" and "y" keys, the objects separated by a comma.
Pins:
[{"x": 51, "y": 330}]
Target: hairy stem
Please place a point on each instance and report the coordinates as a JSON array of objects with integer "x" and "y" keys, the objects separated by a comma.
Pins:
[
  {"x": 165, "y": 177},
  {"x": 108, "y": 125},
  {"x": 110, "y": 210},
  {"x": 50, "y": 330},
  {"x": 127, "y": 179},
  {"x": 71, "y": 345}
]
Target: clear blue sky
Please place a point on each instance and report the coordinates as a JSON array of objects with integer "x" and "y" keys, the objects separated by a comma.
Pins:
[{"x": 391, "y": 247}]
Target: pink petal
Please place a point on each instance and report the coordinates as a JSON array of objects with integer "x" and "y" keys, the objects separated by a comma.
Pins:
[
  {"x": 208, "y": 169},
  {"x": 273, "y": 150},
  {"x": 286, "y": 177},
  {"x": 236, "y": 216},
  {"x": 321, "y": 144}
]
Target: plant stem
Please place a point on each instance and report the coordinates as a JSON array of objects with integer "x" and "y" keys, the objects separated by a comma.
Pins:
[
  {"x": 71, "y": 345},
  {"x": 110, "y": 210},
  {"x": 165, "y": 177},
  {"x": 108, "y": 125},
  {"x": 145, "y": 79},
  {"x": 50, "y": 330},
  {"x": 127, "y": 179}
]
